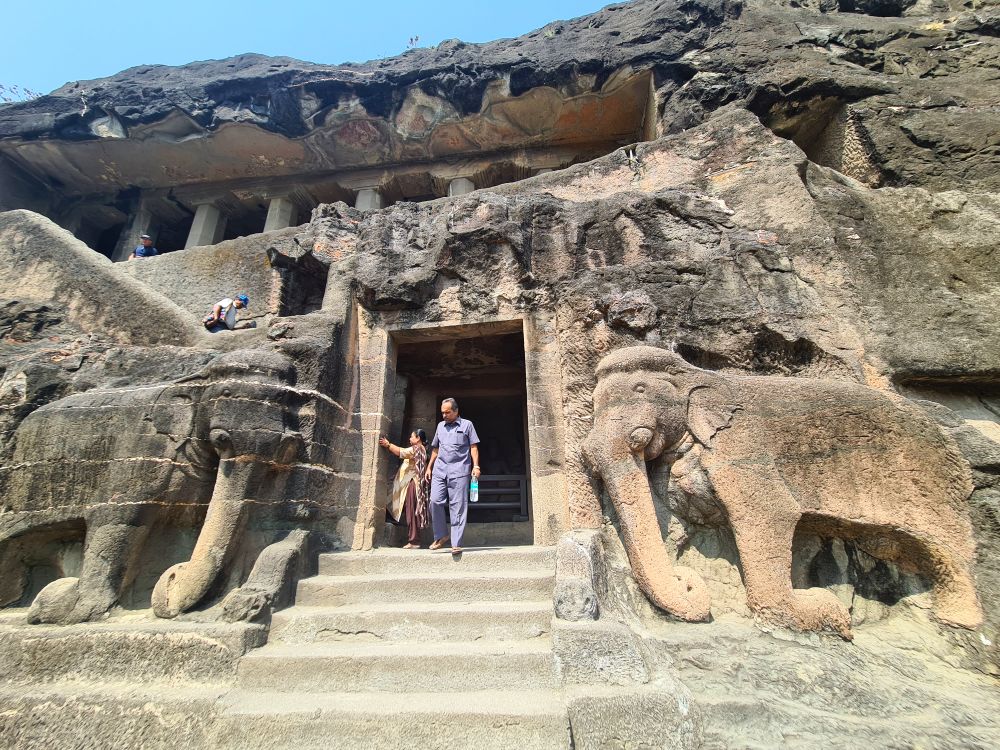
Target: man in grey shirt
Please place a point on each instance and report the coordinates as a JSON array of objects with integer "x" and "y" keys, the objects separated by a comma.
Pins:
[{"x": 454, "y": 458}]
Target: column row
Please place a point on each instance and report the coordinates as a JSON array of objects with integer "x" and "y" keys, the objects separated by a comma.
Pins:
[
  {"x": 209, "y": 223},
  {"x": 371, "y": 199},
  {"x": 208, "y": 227}
]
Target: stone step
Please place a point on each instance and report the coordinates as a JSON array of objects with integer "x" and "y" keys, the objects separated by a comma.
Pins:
[
  {"x": 485, "y": 720},
  {"x": 497, "y": 532},
  {"x": 499, "y": 586},
  {"x": 481, "y": 534},
  {"x": 126, "y": 713},
  {"x": 387, "y": 560},
  {"x": 399, "y": 666},
  {"x": 135, "y": 647},
  {"x": 415, "y": 621},
  {"x": 156, "y": 716}
]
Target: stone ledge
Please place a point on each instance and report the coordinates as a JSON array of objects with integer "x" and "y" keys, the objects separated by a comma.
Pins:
[
  {"x": 597, "y": 653},
  {"x": 106, "y": 715},
  {"x": 135, "y": 648},
  {"x": 647, "y": 717}
]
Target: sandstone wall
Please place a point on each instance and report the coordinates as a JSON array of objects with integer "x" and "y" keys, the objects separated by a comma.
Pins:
[{"x": 46, "y": 263}]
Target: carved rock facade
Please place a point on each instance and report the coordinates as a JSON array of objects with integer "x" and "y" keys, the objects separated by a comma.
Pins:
[{"x": 784, "y": 226}]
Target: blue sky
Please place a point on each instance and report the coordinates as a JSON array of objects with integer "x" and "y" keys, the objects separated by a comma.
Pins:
[{"x": 46, "y": 44}]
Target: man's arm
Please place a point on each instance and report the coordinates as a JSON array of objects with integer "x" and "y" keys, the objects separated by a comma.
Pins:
[
  {"x": 474, "y": 450},
  {"x": 430, "y": 464},
  {"x": 132, "y": 256}
]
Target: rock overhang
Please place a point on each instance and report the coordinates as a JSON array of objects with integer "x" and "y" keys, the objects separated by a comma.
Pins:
[
  {"x": 581, "y": 82},
  {"x": 177, "y": 150},
  {"x": 144, "y": 150}
]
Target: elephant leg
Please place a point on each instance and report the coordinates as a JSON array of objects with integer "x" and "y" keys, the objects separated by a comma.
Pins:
[
  {"x": 764, "y": 515},
  {"x": 184, "y": 585},
  {"x": 956, "y": 601},
  {"x": 114, "y": 532},
  {"x": 109, "y": 551},
  {"x": 13, "y": 572}
]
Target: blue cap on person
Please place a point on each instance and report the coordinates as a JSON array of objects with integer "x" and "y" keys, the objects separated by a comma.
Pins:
[{"x": 244, "y": 299}]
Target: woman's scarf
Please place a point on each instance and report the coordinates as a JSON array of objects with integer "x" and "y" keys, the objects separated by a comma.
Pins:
[{"x": 423, "y": 486}]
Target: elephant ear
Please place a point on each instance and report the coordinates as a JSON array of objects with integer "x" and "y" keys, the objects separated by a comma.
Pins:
[
  {"x": 174, "y": 415},
  {"x": 710, "y": 409}
]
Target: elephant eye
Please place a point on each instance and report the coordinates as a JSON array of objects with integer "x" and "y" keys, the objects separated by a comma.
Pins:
[
  {"x": 639, "y": 387},
  {"x": 220, "y": 438},
  {"x": 226, "y": 392}
]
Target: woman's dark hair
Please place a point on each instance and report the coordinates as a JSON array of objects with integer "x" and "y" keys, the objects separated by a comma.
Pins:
[{"x": 421, "y": 436}]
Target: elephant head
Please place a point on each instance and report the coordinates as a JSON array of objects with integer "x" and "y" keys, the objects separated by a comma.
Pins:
[
  {"x": 246, "y": 416},
  {"x": 648, "y": 401}
]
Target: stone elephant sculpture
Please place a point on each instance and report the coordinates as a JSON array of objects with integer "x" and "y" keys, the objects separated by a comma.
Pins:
[
  {"x": 115, "y": 461},
  {"x": 765, "y": 455}
]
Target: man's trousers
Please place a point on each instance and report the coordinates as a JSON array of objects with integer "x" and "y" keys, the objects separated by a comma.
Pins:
[{"x": 453, "y": 492}]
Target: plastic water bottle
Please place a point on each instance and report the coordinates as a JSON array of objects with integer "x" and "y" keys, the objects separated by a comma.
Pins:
[{"x": 474, "y": 490}]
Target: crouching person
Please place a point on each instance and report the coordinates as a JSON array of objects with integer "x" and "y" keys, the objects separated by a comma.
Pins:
[{"x": 223, "y": 315}]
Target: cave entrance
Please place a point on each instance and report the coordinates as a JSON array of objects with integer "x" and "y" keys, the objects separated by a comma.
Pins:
[{"x": 483, "y": 368}]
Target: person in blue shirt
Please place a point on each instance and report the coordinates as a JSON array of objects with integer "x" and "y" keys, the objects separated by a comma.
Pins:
[
  {"x": 145, "y": 250},
  {"x": 454, "y": 457}
]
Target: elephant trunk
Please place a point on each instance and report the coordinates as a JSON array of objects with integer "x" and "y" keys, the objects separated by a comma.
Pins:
[
  {"x": 185, "y": 584},
  {"x": 679, "y": 591}
]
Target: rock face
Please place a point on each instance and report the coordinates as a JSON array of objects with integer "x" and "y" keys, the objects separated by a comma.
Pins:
[
  {"x": 803, "y": 221},
  {"x": 52, "y": 266}
]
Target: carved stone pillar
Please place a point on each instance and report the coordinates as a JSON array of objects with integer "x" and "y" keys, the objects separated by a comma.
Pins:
[
  {"x": 281, "y": 213},
  {"x": 460, "y": 186},
  {"x": 368, "y": 199},
  {"x": 208, "y": 227},
  {"x": 140, "y": 221}
]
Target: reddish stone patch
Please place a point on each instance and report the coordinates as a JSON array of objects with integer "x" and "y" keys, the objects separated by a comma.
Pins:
[{"x": 359, "y": 134}]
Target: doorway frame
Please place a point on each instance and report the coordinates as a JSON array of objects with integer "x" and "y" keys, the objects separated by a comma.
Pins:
[{"x": 379, "y": 336}]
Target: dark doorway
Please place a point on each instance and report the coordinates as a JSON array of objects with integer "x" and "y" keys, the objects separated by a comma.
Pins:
[
  {"x": 499, "y": 421},
  {"x": 501, "y": 424},
  {"x": 250, "y": 219},
  {"x": 107, "y": 241},
  {"x": 485, "y": 374}
]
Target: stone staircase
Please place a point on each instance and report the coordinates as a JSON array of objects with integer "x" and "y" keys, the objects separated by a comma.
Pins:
[
  {"x": 391, "y": 648},
  {"x": 408, "y": 648}
]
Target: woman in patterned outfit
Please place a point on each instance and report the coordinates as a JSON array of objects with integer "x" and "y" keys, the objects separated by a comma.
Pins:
[{"x": 410, "y": 490}]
